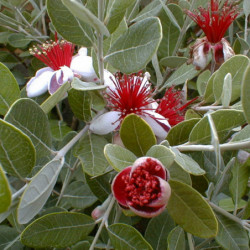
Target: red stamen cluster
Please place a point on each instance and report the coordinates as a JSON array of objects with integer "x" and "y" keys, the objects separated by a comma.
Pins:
[
  {"x": 54, "y": 54},
  {"x": 214, "y": 21},
  {"x": 171, "y": 106},
  {"x": 142, "y": 187},
  {"x": 131, "y": 95}
]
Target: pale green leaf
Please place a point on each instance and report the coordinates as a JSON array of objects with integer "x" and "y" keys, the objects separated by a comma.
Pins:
[
  {"x": 7, "y": 236},
  {"x": 85, "y": 86},
  {"x": 231, "y": 235},
  {"x": 188, "y": 209},
  {"x": 5, "y": 193},
  {"x": 236, "y": 66},
  {"x": 137, "y": 135},
  {"x": 209, "y": 94},
  {"x": 181, "y": 75},
  {"x": 17, "y": 153},
  {"x": 51, "y": 102},
  {"x": 68, "y": 25},
  {"x": 9, "y": 89},
  {"x": 187, "y": 163},
  {"x": 136, "y": 47},
  {"x": 27, "y": 115},
  {"x": 90, "y": 152},
  {"x": 158, "y": 230},
  {"x": 227, "y": 91},
  {"x": 125, "y": 237},
  {"x": 58, "y": 230},
  {"x": 245, "y": 93},
  {"x": 19, "y": 40},
  {"x": 59, "y": 129},
  {"x": 173, "y": 61},
  {"x": 118, "y": 157},
  {"x": 163, "y": 154},
  {"x": 179, "y": 134},
  {"x": 82, "y": 13},
  {"x": 38, "y": 191},
  {"x": 242, "y": 135},
  {"x": 228, "y": 204},
  {"x": 224, "y": 120},
  {"x": 176, "y": 239},
  {"x": 202, "y": 80}
]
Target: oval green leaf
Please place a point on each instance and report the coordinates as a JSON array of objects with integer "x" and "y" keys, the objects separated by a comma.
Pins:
[
  {"x": 123, "y": 236},
  {"x": 27, "y": 115},
  {"x": 57, "y": 230},
  {"x": 118, "y": 157},
  {"x": 188, "y": 209},
  {"x": 17, "y": 153},
  {"x": 5, "y": 193},
  {"x": 136, "y": 47},
  {"x": 245, "y": 93},
  {"x": 85, "y": 86},
  {"x": 137, "y": 135},
  {"x": 176, "y": 239},
  {"x": 9, "y": 89},
  {"x": 38, "y": 191}
]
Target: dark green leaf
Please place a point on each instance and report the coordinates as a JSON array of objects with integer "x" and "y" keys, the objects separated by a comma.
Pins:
[
  {"x": 5, "y": 193},
  {"x": 245, "y": 93}
]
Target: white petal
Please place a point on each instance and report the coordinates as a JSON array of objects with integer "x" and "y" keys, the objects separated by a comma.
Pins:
[
  {"x": 105, "y": 123},
  {"x": 109, "y": 80},
  {"x": 158, "y": 123},
  {"x": 83, "y": 51},
  {"x": 227, "y": 49},
  {"x": 82, "y": 65},
  {"x": 38, "y": 84},
  {"x": 200, "y": 58}
]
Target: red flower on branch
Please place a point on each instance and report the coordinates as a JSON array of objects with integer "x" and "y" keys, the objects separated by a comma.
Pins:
[
  {"x": 143, "y": 187},
  {"x": 214, "y": 21}
]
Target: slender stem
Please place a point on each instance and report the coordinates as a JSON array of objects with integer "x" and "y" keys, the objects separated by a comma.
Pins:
[
  {"x": 190, "y": 241},
  {"x": 203, "y": 243},
  {"x": 59, "y": 112},
  {"x": 223, "y": 147},
  {"x": 207, "y": 108},
  {"x": 19, "y": 192},
  {"x": 104, "y": 219},
  {"x": 101, "y": 7},
  {"x": 245, "y": 30}
]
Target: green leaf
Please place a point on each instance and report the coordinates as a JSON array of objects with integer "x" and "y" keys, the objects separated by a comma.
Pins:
[
  {"x": 78, "y": 195},
  {"x": 51, "y": 102},
  {"x": 137, "y": 135},
  {"x": 82, "y": 13},
  {"x": 27, "y": 115},
  {"x": 123, "y": 236},
  {"x": 179, "y": 134},
  {"x": 38, "y": 191},
  {"x": 118, "y": 157},
  {"x": 228, "y": 204},
  {"x": 80, "y": 103},
  {"x": 57, "y": 230},
  {"x": 209, "y": 95},
  {"x": 163, "y": 154},
  {"x": 68, "y": 25},
  {"x": 5, "y": 193},
  {"x": 231, "y": 235},
  {"x": 188, "y": 209},
  {"x": 136, "y": 47},
  {"x": 242, "y": 135},
  {"x": 224, "y": 121},
  {"x": 90, "y": 152},
  {"x": 176, "y": 239},
  {"x": 85, "y": 86},
  {"x": 181, "y": 75},
  {"x": 9, "y": 89},
  {"x": 236, "y": 66},
  {"x": 245, "y": 93},
  {"x": 202, "y": 80},
  {"x": 116, "y": 12},
  {"x": 227, "y": 91},
  {"x": 158, "y": 230},
  {"x": 19, "y": 40},
  {"x": 169, "y": 30},
  {"x": 187, "y": 163},
  {"x": 238, "y": 184},
  {"x": 173, "y": 61},
  {"x": 17, "y": 153},
  {"x": 59, "y": 129},
  {"x": 7, "y": 236}
]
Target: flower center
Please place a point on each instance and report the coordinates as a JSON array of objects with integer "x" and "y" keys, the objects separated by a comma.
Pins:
[
  {"x": 142, "y": 187},
  {"x": 131, "y": 95},
  {"x": 54, "y": 54}
]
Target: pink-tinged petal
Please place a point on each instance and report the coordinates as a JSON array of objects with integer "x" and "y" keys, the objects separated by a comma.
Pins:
[
  {"x": 147, "y": 212},
  {"x": 83, "y": 66},
  {"x": 158, "y": 123},
  {"x": 38, "y": 84},
  {"x": 164, "y": 194},
  {"x": 152, "y": 165},
  {"x": 119, "y": 186},
  {"x": 105, "y": 123},
  {"x": 227, "y": 49},
  {"x": 200, "y": 56},
  {"x": 59, "y": 78}
]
